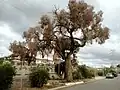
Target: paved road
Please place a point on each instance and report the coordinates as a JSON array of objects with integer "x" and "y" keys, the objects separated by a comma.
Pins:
[{"x": 106, "y": 84}]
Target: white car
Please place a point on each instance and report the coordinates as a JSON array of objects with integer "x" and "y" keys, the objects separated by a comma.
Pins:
[{"x": 109, "y": 75}]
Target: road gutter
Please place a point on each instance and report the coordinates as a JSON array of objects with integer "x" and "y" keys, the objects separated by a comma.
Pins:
[{"x": 77, "y": 83}]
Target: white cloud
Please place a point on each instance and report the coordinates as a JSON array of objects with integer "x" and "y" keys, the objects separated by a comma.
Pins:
[
  {"x": 109, "y": 4},
  {"x": 7, "y": 36},
  {"x": 6, "y": 31}
]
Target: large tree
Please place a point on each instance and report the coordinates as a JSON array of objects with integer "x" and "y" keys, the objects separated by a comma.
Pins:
[{"x": 68, "y": 30}]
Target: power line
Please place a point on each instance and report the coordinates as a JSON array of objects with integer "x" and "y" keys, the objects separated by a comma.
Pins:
[
  {"x": 3, "y": 1},
  {"x": 17, "y": 8}
]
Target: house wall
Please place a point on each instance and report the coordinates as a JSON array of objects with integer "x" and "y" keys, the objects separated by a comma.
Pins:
[{"x": 23, "y": 71}]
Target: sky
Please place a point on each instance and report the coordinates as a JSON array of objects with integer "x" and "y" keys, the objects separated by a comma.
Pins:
[{"x": 17, "y": 16}]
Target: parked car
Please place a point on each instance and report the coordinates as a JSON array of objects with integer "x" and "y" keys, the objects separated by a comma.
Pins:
[{"x": 110, "y": 75}]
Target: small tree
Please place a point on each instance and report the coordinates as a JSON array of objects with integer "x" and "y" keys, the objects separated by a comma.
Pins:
[
  {"x": 38, "y": 77},
  {"x": 19, "y": 49}
]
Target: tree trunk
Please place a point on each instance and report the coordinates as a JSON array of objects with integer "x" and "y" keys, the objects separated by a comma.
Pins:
[{"x": 68, "y": 69}]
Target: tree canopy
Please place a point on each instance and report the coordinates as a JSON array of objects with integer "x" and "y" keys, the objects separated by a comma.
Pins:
[{"x": 80, "y": 17}]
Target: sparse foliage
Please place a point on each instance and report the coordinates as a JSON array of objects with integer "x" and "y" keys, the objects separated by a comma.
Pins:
[{"x": 20, "y": 50}]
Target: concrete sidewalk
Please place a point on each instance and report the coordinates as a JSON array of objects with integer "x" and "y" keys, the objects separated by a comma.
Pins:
[
  {"x": 99, "y": 78},
  {"x": 76, "y": 83}
]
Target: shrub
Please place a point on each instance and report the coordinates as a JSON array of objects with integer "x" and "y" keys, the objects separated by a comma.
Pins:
[
  {"x": 77, "y": 75},
  {"x": 38, "y": 77},
  {"x": 91, "y": 73},
  {"x": 7, "y": 71},
  {"x": 86, "y": 72},
  {"x": 100, "y": 73}
]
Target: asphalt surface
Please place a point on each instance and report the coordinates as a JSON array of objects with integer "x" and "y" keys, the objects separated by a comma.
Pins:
[{"x": 105, "y": 84}]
